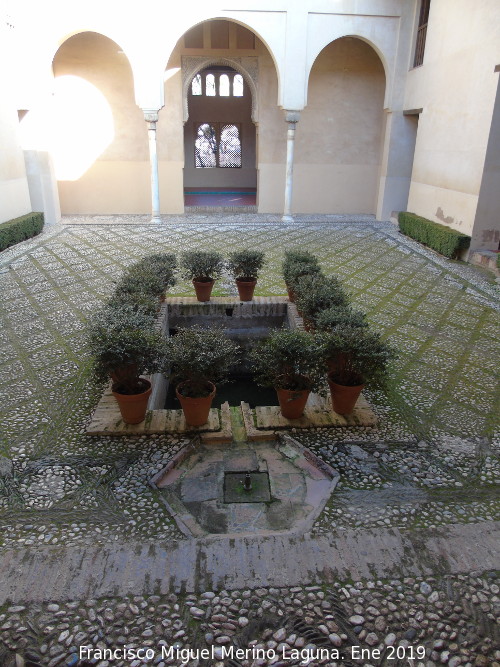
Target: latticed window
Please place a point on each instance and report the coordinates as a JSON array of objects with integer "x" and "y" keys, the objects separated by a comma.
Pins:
[
  {"x": 229, "y": 147},
  {"x": 421, "y": 32},
  {"x": 205, "y": 146},
  {"x": 217, "y": 145}
]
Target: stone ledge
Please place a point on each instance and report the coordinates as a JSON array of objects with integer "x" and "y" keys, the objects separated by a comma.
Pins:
[
  {"x": 318, "y": 412},
  {"x": 107, "y": 420}
]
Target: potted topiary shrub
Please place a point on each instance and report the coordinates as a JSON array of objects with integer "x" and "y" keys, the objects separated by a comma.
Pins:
[
  {"x": 295, "y": 265},
  {"x": 355, "y": 357},
  {"x": 162, "y": 265},
  {"x": 245, "y": 266},
  {"x": 200, "y": 358},
  {"x": 125, "y": 346},
  {"x": 203, "y": 267},
  {"x": 140, "y": 280},
  {"x": 315, "y": 293},
  {"x": 289, "y": 361}
]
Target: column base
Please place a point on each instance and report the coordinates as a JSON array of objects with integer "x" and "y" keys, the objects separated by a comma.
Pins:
[
  {"x": 287, "y": 218},
  {"x": 156, "y": 218}
]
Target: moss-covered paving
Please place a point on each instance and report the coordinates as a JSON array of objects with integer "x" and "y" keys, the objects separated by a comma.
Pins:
[{"x": 58, "y": 484}]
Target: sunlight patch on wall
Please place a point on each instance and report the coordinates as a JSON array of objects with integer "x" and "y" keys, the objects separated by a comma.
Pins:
[{"x": 75, "y": 125}]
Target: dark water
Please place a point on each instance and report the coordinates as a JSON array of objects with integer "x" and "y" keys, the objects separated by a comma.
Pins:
[{"x": 239, "y": 389}]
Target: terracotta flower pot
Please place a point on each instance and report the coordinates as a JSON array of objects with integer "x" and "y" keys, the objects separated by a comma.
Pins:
[
  {"x": 245, "y": 288},
  {"x": 203, "y": 289},
  {"x": 292, "y": 403},
  {"x": 343, "y": 397},
  {"x": 133, "y": 407},
  {"x": 195, "y": 410}
]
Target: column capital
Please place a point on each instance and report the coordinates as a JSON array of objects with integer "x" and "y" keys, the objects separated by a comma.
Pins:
[
  {"x": 150, "y": 115},
  {"x": 292, "y": 116}
]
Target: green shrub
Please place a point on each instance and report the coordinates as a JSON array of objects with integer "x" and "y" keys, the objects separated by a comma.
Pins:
[
  {"x": 446, "y": 241},
  {"x": 299, "y": 263},
  {"x": 140, "y": 279},
  {"x": 355, "y": 355},
  {"x": 20, "y": 229},
  {"x": 125, "y": 344},
  {"x": 163, "y": 265},
  {"x": 199, "y": 356},
  {"x": 498, "y": 260},
  {"x": 138, "y": 301},
  {"x": 245, "y": 264},
  {"x": 293, "y": 271},
  {"x": 288, "y": 359},
  {"x": 315, "y": 293},
  {"x": 339, "y": 316},
  {"x": 201, "y": 265}
]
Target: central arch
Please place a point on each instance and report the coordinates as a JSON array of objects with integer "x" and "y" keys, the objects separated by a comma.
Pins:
[{"x": 219, "y": 137}]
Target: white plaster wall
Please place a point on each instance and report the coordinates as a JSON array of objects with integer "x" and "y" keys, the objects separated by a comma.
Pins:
[
  {"x": 339, "y": 136},
  {"x": 456, "y": 89},
  {"x": 118, "y": 179},
  {"x": 14, "y": 193}
]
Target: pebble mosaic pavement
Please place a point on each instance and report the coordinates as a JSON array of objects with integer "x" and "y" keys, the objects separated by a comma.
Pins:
[{"x": 433, "y": 459}]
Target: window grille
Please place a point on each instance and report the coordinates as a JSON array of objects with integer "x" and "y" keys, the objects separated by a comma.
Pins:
[
  {"x": 205, "y": 146},
  {"x": 421, "y": 33},
  {"x": 217, "y": 145},
  {"x": 229, "y": 147}
]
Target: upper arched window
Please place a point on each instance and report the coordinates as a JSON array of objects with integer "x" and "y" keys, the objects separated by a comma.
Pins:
[
  {"x": 224, "y": 85},
  {"x": 196, "y": 88},
  {"x": 210, "y": 85},
  {"x": 238, "y": 85}
]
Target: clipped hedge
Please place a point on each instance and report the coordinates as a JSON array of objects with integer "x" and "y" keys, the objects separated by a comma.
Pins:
[
  {"x": 20, "y": 229},
  {"x": 446, "y": 241}
]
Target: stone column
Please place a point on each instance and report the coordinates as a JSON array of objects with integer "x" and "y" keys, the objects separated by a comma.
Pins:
[
  {"x": 151, "y": 118},
  {"x": 292, "y": 118}
]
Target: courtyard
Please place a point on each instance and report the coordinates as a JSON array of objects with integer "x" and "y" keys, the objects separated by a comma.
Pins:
[{"x": 403, "y": 552}]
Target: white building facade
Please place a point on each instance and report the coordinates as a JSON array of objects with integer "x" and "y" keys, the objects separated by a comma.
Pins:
[{"x": 318, "y": 106}]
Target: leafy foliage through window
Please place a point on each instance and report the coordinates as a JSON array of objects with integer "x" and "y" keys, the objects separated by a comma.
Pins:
[{"x": 217, "y": 145}]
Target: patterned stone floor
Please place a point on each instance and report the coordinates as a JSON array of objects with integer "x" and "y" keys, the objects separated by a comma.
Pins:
[
  {"x": 438, "y": 422},
  {"x": 432, "y": 463}
]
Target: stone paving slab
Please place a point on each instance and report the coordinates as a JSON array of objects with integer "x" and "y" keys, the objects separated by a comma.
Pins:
[{"x": 146, "y": 568}]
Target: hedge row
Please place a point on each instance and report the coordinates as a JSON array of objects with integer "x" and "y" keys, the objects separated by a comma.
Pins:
[
  {"x": 446, "y": 241},
  {"x": 19, "y": 229}
]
